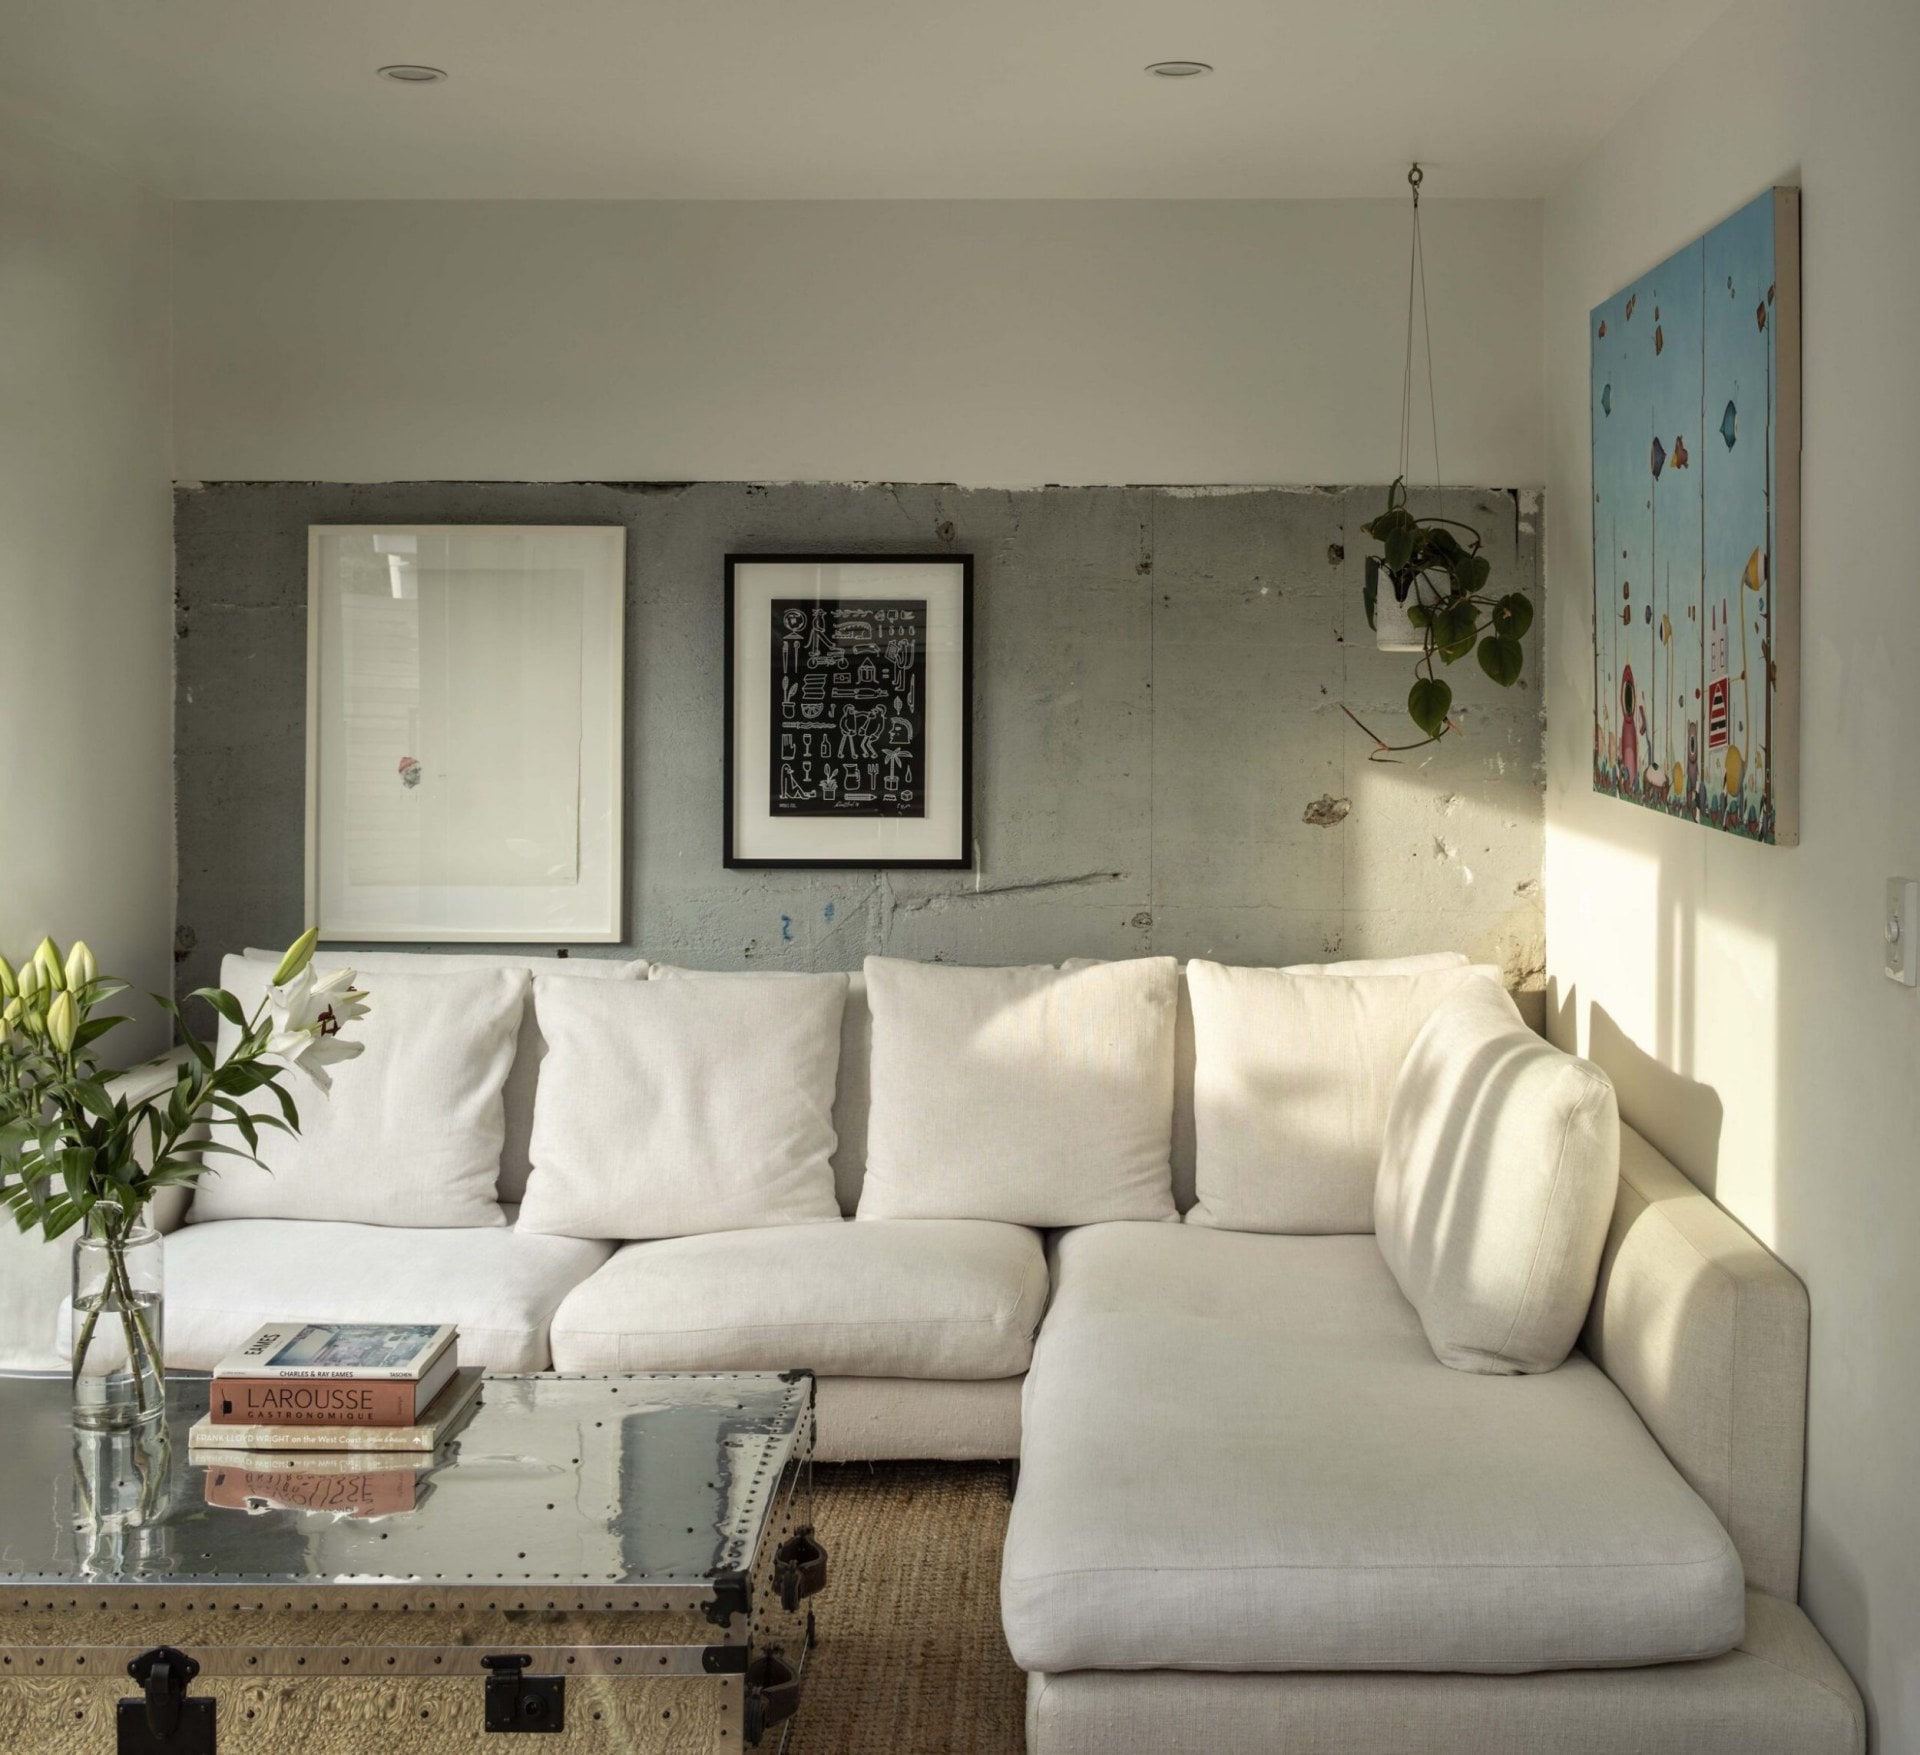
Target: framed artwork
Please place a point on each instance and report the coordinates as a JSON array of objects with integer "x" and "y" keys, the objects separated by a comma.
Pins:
[
  {"x": 1696, "y": 530},
  {"x": 464, "y": 732},
  {"x": 849, "y": 687}
]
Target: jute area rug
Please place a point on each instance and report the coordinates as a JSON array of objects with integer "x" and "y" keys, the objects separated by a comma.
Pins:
[{"x": 911, "y": 1660}]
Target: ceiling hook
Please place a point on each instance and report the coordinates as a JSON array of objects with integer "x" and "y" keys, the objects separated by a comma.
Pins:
[{"x": 1415, "y": 178}]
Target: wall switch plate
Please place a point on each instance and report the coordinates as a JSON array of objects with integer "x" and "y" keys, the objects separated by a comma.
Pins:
[{"x": 1902, "y": 929}]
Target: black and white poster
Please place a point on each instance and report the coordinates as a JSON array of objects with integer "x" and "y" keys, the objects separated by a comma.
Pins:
[
  {"x": 847, "y": 718},
  {"x": 849, "y": 684}
]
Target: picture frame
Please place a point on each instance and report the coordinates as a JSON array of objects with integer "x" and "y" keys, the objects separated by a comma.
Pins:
[
  {"x": 848, "y": 738},
  {"x": 465, "y": 733},
  {"x": 1696, "y": 428}
]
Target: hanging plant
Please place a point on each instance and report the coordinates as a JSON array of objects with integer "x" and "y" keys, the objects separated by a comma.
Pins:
[{"x": 1439, "y": 583}]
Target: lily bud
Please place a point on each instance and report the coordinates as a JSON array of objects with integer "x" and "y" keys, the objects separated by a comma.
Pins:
[
  {"x": 63, "y": 1021},
  {"x": 47, "y": 955},
  {"x": 9, "y": 982},
  {"x": 81, "y": 966},
  {"x": 299, "y": 955},
  {"x": 33, "y": 977}
]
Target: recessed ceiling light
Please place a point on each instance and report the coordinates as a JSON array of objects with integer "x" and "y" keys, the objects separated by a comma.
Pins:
[
  {"x": 412, "y": 73},
  {"x": 1178, "y": 69}
]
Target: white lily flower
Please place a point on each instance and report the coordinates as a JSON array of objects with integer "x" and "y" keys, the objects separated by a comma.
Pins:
[{"x": 309, "y": 1013}]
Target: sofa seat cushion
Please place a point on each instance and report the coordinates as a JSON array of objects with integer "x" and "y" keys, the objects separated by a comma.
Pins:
[
  {"x": 925, "y": 1298},
  {"x": 1239, "y": 1453},
  {"x": 500, "y": 1286}
]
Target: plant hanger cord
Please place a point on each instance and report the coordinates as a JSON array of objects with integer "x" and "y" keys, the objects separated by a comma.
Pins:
[{"x": 1417, "y": 292}]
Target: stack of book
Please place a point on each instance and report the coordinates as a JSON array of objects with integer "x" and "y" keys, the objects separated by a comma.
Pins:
[{"x": 345, "y": 1397}]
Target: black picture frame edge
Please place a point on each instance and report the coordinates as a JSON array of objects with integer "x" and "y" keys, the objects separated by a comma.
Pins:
[{"x": 729, "y": 860}]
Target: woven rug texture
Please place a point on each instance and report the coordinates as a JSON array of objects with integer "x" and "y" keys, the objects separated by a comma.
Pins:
[{"x": 910, "y": 1659}]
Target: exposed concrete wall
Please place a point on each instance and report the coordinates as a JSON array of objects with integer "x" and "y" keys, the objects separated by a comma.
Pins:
[{"x": 1161, "y": 762}]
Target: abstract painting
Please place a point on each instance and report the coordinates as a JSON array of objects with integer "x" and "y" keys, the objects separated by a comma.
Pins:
[{"x": 1696, "y": 511}]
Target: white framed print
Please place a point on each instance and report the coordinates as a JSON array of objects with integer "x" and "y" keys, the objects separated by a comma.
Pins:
[
  {"x": 849, "y": 711},
  {"x": 464, "y": 732}
]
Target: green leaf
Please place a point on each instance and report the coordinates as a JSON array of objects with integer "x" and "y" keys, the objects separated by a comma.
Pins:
[
  {"x": 224, "y": 1003},
  {"x": 1442, "y": 545},
  {"x": 94, "y": 1028},
  {"x": 1399, "y": 543},
  {"x": 1454, "y": 626},
  {"x": 1428, "y": 703},
  {"x": 1501, "y": 659},
  {"x": 1512, "y": 616},
  {"x": 1370, "y": 591},
  {"x": 1470, "y": 573}
]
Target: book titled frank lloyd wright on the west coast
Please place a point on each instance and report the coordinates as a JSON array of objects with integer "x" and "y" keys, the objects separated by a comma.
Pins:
[{"x": 390, "y": 1352}]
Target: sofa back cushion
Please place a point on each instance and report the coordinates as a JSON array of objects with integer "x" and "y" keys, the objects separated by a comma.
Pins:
[
  {"x": 675, "y": 1108},
  {"x": 410, "y": 1133},
  {"x": 1497, "y": 1182},
  {"x": 523, "y": 1080},
  {"x": 851, "y": 1090},
  {"x": 1293, "y": 1069},
  {"x": 1031, "y": 1095}
]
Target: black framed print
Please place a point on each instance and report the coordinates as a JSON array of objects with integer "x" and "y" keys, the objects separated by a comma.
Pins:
[{"x": 849, "y": 711}]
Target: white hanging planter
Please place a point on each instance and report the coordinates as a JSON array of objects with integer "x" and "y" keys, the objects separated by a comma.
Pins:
[{"x": 1392, "y": 632}]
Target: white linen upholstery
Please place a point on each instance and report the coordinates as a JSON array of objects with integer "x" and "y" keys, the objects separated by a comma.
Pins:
[
  {"x": 1780, "y": 1691},
  {"x": 881, "y": 1419},
  {"x": 523, "y": 1080},
  {"x": 409, "y": 1134},
  {"x": 1239, "y": 1453},
  {"x": 851, "y": 1092},
  {"x": 673, "y": 1108},
  {"x": 955, "y": 1298},
  {"x": 1292, "y": 1075},
  {"x": 1705, "y": 1333},
  {"x": 1496, "y": 1184},
  {"x": 500, "y": 1287},
  {"x": 1033, "y": 1096}
]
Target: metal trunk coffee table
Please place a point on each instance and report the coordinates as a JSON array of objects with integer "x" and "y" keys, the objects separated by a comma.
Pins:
[{"x": 613, "y": 1563}]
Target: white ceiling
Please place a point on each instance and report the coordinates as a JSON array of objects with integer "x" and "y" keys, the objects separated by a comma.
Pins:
[{"x": 837, "y": 98}]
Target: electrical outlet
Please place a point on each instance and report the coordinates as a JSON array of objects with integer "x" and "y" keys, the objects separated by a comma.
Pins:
[{"x": 1902, "y": 930}]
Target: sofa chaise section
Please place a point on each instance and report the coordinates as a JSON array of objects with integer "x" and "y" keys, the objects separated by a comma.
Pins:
[
  {"x": 1241, "y": 1454},
  {"x": 1780, "y": 1691},
  {"x": 918, "y": 1330}
]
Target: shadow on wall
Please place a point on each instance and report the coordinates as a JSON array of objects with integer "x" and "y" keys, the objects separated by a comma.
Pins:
[{"x": 1690, "y": 1113}]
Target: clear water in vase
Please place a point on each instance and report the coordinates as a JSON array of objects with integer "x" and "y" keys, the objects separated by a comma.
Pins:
[{"x": 117, "y": 1331}]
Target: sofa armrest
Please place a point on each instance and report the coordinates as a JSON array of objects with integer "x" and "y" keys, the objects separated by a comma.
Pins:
[
  {"x": 35, "y": 1275},
  {"x": 1705, "y": 1333}
]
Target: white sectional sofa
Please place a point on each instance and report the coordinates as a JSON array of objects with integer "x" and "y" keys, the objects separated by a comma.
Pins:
[{"x": 1256, "y": 1510}]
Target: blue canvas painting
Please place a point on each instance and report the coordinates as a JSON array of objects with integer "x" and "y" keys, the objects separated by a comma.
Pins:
[{"x": 1696, "y": 505}]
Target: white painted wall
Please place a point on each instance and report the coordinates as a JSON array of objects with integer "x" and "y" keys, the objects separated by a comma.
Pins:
[
  {"x": 86, "y": 620},
  {"x": 86, "y": 555},
  {"x": 988, "y": 343},
  {"x": 1734, "y": 991}
]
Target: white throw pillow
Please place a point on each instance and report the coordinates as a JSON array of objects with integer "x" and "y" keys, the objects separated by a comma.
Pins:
[
  {"x": 1496, "y": 1186},
  {"x": 1036, "y": 1096},
  {"x": 523, "y": 1080},
  {"x": 851, "y": 1088},
  {"x": 673, "y": 1108},
  {"x": 410, "y": 1133},
  {"x": 1293, "y": 1069}
]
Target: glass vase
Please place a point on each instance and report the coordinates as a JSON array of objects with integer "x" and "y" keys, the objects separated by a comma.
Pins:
[{"x": 119, "y": 1378}]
